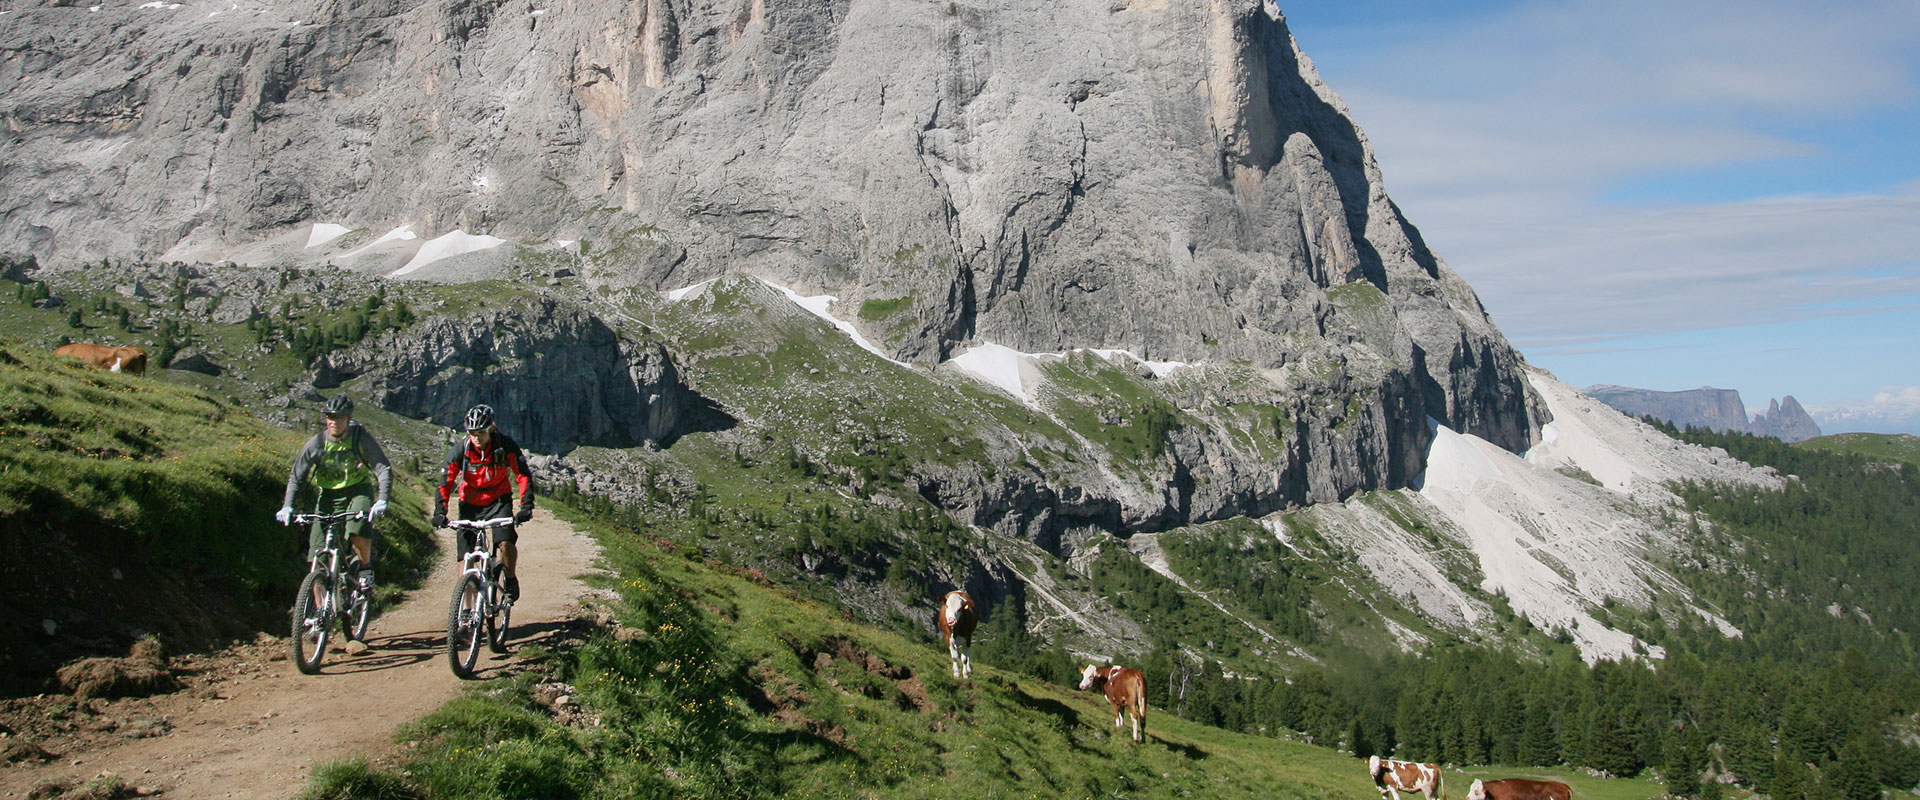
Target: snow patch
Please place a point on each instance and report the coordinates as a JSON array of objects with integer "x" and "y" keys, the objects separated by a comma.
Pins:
[
  {"x": 1160, "y": 369},
  {"x": 818, "y": 305},
  {"x": 1013, "y": 371},
  {"x": 324, "y": 232},
  {"x": 453, "y": 243},
  {"x": 157, "y": 4},
  {"x": 682, "y": 292},
  {"x": 998, "y": 365},
  {"x": 402, "y": 233}
]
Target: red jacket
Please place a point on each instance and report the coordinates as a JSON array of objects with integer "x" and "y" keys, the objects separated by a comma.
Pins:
[{"x": 483, "y": 475}]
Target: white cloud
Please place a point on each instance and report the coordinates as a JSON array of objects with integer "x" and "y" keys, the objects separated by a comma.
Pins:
[
  {"x": 1502, "y": 138},
  {"x": 1893, "y": 409}
]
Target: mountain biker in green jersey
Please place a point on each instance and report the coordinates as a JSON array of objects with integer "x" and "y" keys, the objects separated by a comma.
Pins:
[{"x": 348, "y": 467}]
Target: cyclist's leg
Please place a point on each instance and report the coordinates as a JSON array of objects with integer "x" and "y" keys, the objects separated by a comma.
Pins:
[
  {"x": 327, "y": 501},
  {"x": 359, "y": 498},
  {"x": 469, "y": 512}
]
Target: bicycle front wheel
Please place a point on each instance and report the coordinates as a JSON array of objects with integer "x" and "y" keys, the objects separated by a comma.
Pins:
[
  {"x": 310, "y": 623},
  {"x": 464, "y": 625}
]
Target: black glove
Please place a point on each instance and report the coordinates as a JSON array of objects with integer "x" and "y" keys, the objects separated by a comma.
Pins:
[
  {"x": 439, "y": 517},
  {"x": 526, "y": 513}
]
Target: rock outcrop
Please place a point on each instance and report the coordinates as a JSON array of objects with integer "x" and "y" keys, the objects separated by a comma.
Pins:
[
  {"x": 558, "y": 374},
  {"x": 1786, "y": 420},
  {"x": 1169, "y": 178}
]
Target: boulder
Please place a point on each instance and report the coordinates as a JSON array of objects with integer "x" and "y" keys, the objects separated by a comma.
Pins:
[{"x": 193, "y": 359}]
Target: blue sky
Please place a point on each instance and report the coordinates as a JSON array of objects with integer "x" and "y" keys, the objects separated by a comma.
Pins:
[{"x": 1662, "y": 195}]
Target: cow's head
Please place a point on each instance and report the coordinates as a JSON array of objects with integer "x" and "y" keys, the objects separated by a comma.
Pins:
[
  {"x": 1478, "y": 791},
  {"x": 1375, "y": 766},
  {"x": 1091, "y": 674}
]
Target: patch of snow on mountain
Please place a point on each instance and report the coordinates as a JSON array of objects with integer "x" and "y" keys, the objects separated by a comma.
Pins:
[
  {"x": 402, "y": 233},
  {"x": 682, "y": 292},
  {"x": 1159, "y": 368},
  {"x": 999, "y": 365},
  {"x": 453, "y": 243},
  {"x": 818, "y": 305},
  {"x": 324, "y": 232}
]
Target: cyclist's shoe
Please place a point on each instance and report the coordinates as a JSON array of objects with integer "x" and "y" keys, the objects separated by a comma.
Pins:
[
  {"x": 366, "y": 579},
  {"x": 513, "y": 588}
]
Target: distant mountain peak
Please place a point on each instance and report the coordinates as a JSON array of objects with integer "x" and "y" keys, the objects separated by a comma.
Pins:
[{"x": 1708, "y": 407}]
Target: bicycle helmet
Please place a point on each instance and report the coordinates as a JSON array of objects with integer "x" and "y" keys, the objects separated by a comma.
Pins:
[
  {"x": 480, "y": 417},
  {"x": 338, "y": 405}
]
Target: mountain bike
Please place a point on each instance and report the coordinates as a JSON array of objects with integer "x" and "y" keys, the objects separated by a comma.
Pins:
[
  {"x": 481, "y": 608},
  {"x": 328, "y": 593}
]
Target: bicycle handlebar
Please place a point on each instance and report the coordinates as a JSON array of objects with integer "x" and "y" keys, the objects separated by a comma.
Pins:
[
  {"x": 496, "y": 522},
  {"x": 299, "y": 519}
]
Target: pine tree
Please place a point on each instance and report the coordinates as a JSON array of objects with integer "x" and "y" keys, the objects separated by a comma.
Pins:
[{"x": 1686, "y": 755}]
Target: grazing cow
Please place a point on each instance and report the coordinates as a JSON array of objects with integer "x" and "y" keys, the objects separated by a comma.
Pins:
[
  {"x": 131, "y": 360},
  {"x": 1393, "y": 777},
  {"x": 1518, "y": 789},
  {"x": 957, "y": 619},
  {"x": 1126, "y": 690}
]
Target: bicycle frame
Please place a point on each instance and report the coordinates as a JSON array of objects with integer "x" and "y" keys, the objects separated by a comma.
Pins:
[
  {"x": 333, "y": 524},
  {"x": 480, "y": 559}
]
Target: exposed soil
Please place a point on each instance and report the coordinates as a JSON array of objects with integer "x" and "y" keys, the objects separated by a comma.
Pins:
[{"x": 247, "y": 724}]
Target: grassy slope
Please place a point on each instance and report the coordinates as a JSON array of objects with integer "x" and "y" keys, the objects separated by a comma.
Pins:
[
  {"x": 161, "y": 483},
  {"x": 738, "y": 688},
  {"x": 1901, "y": 447}
]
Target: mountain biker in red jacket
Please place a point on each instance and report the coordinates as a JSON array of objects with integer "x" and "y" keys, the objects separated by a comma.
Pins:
[{"x": 485, "y": 465}]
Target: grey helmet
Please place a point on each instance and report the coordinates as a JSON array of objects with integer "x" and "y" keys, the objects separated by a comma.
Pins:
[
  {"x": 338, "y": 405},
  {"x": 480, "y": 417}
]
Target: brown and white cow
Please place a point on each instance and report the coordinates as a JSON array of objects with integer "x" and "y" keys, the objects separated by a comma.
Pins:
[
  {"x": 130, "y": 360},
  {"x": 1126, "y": 691},
  {"x": 957, "y": 619},
  {"x": 1518, "y": 789},
  {"x": 1393, "y": 777}
]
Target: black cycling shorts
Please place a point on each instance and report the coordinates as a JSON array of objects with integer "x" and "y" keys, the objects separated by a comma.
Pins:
[{"x": 502, "y": 507}]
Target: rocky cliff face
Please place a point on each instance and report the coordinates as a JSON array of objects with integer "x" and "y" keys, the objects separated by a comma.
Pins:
[
  {"x": 558, "y": 374},
  {"x": 1169, "y": 178}
]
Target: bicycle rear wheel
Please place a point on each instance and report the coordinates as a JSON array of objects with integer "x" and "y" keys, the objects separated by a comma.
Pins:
[
  {"x": 311, "y": 607},
  {"x": 464, "y": 625},
  {"x": 497, "y": 621},
  {"x": 359, "y": 610},
  {"x": 502, "y": 613}
]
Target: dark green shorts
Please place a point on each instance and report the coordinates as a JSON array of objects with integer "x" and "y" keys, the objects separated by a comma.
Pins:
[{"x": 358, "y": 497}]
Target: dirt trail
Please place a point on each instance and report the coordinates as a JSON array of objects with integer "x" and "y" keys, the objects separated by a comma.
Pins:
[{"x": 257, "y": 730}]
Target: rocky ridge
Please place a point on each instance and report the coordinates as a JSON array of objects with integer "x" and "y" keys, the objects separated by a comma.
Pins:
[{"x": 1039, "y": 175}]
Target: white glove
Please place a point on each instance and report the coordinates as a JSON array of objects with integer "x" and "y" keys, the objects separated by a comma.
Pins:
[
  {"x": 284, "y": 515},
  {"x": 377, "y": 509}
]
